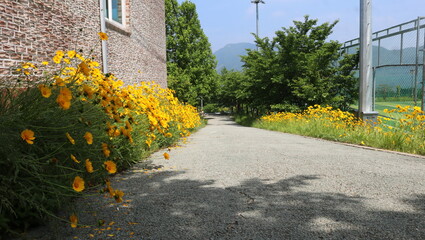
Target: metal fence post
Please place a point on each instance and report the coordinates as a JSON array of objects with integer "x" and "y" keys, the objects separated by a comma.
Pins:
[
  {"x": 423, "y": 70},
  {"x": 366, "y": 73},
  {"x": 418, "y": 28},
  {"x": 423, "y": 79}
]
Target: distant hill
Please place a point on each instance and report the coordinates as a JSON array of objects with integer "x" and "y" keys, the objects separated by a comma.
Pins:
[{"x": 229, "y": 55}]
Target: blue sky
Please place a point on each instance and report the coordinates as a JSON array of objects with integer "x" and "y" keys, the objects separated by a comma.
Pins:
[{"x": 233, "y": 21}]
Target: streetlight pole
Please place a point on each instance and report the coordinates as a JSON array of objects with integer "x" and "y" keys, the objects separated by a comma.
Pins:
[
  {"x": 366, "y": 75},
  {"x": 256, "y": 6}
]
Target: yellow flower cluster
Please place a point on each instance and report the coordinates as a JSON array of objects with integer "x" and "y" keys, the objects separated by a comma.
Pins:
[
  {"x": 121, "y": 103},
  {"x": 413, "y": 119},
  {"x": 405, "y": 133},
  {"x": 78, "y": 81},
  {"x": 336, "y": 117}
]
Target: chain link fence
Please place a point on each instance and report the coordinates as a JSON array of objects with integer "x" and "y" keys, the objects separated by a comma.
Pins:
[{"x": 398, "y": 64}]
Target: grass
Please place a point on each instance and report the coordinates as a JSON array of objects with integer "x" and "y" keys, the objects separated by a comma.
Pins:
[{"x": 380, "y": 106}]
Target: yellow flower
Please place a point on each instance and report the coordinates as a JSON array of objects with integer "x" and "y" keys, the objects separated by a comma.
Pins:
[
  {"x": 74, "y": 159},
  {"x": 125, "y": 132},
  {"x": 45, "y": 91},
  {"x": 167, "y": 156},
  {"x": 148, "y": 142},
  {"x": 78, "y": 184},
  {"x": 66, "y": 93},
  {"x": 89, "y": 137},
  {"x": 59, "y": 53},
  {"x": 118, "y": 195},
  {"x": 106, "y": 150},
  {"x": 89, "y": 166},
  {"x": 88, "y": 90},
  {"x": 63, "y": 102},
  {"x": 110, "y": 166},
  {"x": 28, "y": 136},
  {"x": 59, "y": 81},
  {"x": 103, "y": 36},
  {"x": 71, "y": 140},
  {"x": 74, "y": 220},
  {"x": 71, "y": 54},
  {"x": 45, "y": 63},
  {"x": 109, "y": 188},
  {"x": 116, "y": 133},
  {"x": 128, "y": 125},
  {"x": 57, "y": 59},
  {"x": 84, "y": 68}
]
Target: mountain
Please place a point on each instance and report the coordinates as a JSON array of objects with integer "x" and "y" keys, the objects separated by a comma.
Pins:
[{"x": 229, "y": 55}]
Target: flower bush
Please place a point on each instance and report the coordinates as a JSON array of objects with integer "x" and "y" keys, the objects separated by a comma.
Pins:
[
  {"x": 405, "y": 134},
  {"x": 65, "y": 131}
]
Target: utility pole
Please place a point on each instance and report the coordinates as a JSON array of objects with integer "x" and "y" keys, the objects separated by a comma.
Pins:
[
  {"x": 256, "y": 5},
  {"x": 366, "y": 112},
  {"x": 423, "y": 80}
]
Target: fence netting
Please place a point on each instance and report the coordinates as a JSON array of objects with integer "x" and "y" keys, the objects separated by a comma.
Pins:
[{"x": 398, "y": 62}]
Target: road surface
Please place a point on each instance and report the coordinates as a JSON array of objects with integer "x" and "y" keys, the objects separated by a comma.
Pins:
[{"x": 234, "y": 182}]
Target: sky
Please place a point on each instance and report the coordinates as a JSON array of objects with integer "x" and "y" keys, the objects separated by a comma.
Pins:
[{"x": 233, "y": 21}]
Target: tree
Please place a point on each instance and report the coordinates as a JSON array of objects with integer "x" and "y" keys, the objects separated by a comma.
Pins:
[
  {"x": 231, "y": 88},
  {"x": 190, "y": 62},
  {"x": 298, "y": 68}
]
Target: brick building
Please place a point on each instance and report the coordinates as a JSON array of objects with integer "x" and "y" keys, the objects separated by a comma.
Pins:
[{"x": 32, "y": 30}]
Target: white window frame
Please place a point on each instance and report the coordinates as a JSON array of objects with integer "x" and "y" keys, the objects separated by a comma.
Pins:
[{"x": 108, "y": 9}]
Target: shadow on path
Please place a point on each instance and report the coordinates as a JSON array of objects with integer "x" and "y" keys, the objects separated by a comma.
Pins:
[{"x": 165, "y": 207}]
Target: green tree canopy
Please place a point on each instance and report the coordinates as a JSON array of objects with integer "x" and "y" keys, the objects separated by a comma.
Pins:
[
  {"x": 231, "y": 88},
  {"x": 299, "y": 68},
  {"x": 190, "y": 61}
]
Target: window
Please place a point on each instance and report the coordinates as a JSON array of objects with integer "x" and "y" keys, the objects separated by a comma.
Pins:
[{"x": 114, "y": 11}]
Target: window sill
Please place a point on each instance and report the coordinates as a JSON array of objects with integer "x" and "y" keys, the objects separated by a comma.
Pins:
[{"x": 117, "y": 28}]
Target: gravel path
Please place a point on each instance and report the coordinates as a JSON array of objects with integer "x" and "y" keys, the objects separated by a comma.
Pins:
[{"x": 234, "y": 182}]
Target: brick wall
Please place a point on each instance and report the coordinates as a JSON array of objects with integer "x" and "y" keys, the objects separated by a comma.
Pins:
[
  {"x": 137, "y": 51},
  {"x": 32, "y": 30}
]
